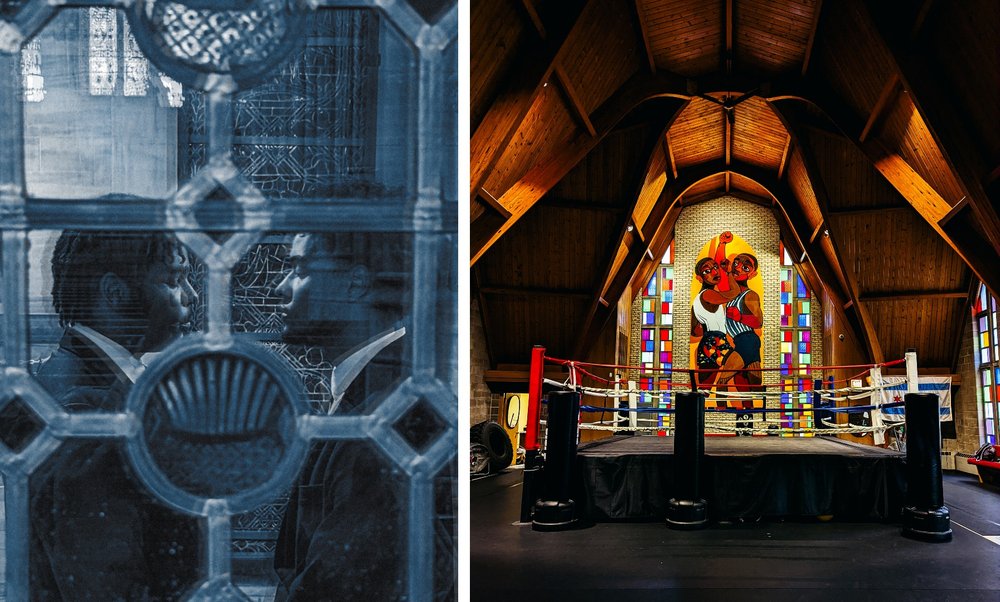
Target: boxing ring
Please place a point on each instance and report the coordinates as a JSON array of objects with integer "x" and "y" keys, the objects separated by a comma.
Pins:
[
  {"x": 730, "y": 455},
  {"x": 627, "y": 477}
]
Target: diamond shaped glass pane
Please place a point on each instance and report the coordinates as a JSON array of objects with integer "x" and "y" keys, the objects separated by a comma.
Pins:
[
  {"x": 420, "y": 425},
  {"x": 20, "y": 425}
]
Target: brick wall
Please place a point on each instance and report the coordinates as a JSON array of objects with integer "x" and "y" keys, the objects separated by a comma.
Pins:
[
  {"x": 964, "y": 399},
  {"x": 755, "y": 225}
]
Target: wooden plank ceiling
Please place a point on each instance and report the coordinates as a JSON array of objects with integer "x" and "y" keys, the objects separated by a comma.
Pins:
[{"x": 871, "y": 128}]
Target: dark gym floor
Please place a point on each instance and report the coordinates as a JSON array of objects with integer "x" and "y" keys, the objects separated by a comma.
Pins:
[{"x": 767, "y": 560}]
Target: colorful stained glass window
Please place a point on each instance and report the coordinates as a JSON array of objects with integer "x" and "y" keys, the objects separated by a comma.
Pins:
[
  {"x": 796, "y": 344},
  {"x": 656, "y": 346},
  {"x": 987, "y": 354}
]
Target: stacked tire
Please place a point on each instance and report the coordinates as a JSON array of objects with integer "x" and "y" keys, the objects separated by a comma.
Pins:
[{"x": 497, "y": 443}]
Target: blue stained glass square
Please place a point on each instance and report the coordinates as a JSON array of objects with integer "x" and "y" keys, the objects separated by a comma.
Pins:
[
  {"x": 803, "y": 348},
  {"x": 802, "y": 293},
  {"x": 648, "y": 318},
  {"x": 803, "y": 320},
  {"x": 648, "y": 346},
  {"x": 784, "y": 298},
  {"x": 668, "y": 296}
]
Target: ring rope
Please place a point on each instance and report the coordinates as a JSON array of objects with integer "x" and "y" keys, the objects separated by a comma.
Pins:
[{"x": 577, "y": 364}]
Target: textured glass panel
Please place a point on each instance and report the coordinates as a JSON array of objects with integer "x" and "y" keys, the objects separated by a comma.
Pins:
[
  {"x": 80, "y": 144},
  {"x": 337, "y": 124},
  {"x": 651, "y": 286}
]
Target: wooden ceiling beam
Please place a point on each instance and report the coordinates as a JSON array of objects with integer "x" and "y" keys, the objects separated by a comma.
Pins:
[
  {"x": 914, "y": 295},
  {"x": 668, "y": 151},
  {"x": 961, "y": 324},
  {"x": 870, "y": 336},
  {"x": 812, "y": 37},
  {"x": 784, "y": 157},
  {"x": 533, "y": 291},
  {"x": 957, "y": 228},
  {"x": 536, "y": 19},
  {"x": 550, "y": 169},
  {"x": 941, "y": 115},
  {"x": 644, "y": 34},
  {"x": 532, "y": 68},
  {"x": 633, "y": 239},
  {"x": 728, "y": 137},
  {"x": 574, "y": 100},
  {"x": 728, "y": 59},
  {"x": 819, "y": 228},
  {"x": 885, "y": 98}
]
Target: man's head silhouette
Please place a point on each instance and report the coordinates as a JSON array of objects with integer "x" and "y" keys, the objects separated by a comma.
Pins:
[
  {"x": 325, "y": 290},
  {"x": 132, "y": 287}
]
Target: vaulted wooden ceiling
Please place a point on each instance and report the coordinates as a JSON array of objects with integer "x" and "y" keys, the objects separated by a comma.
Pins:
[{"x": 871, "y": 129}]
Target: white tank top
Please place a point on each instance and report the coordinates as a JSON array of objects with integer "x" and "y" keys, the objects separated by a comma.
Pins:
[{"x": 713, "y": 321}]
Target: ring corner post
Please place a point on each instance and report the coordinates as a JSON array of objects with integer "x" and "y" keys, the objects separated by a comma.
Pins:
[
  {"x": 555, "y": 510},
  {"x": 686, "y": 509},
  {"x": 925, "y": 517},
  {"x": 532, "y": 461}
]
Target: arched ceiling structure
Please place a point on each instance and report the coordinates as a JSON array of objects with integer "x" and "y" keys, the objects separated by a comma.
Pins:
[{"x": 871, "y": 129}]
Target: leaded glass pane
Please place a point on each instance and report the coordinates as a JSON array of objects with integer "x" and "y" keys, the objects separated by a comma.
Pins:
[{"x": 224, "y": 432}]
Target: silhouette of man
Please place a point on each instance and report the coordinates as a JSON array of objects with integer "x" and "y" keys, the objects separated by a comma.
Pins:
[
  {"x": 95, "y": 534},
  {"x": 340, "y": 536}
]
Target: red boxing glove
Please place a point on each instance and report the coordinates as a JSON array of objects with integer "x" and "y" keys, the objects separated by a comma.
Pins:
[{"x": 733, "y": 313}]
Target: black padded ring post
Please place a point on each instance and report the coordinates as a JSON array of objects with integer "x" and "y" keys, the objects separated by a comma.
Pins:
[
  {"x": 925, "y": 516},
  {"x": 532, "y": 471},
  {"x": 555, "y": 511},
  {"x": 687, "y": 510}
]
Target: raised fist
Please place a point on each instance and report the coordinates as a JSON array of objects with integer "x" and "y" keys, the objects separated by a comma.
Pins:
[
  {"x": 734, "y": 314},
  {"x": 726, "y": 236}
]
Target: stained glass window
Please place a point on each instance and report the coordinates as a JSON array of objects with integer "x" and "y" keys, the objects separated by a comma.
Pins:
[
  {"x": 656, "y": 347},
  {"x": 796, "y": 344},
  {"x": 987, "y": 354}
]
